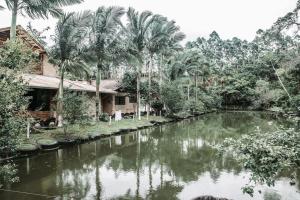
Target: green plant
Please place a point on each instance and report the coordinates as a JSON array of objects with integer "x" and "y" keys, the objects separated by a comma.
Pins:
[
  {"x": 104, "y": 117},
  {"x": 75, "y": 107},
  {"x": 173, "y": 98},
  {"x": 157, "y": 105},
  {"x": 265, "y": 154},
  {"x": 8, "y": 174}
]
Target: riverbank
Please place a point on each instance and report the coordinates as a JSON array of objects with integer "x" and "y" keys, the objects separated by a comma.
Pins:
[
  {"x": 52, "y": 139},
  {"x": 79, "y": 133}
]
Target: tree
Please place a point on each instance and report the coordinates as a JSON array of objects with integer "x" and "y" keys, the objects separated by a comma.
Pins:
[
  {"x": 136, "y": 33},
  {"x": 15, "y": 58},
  {"x": 265, "y": 155},
  {"x": 35, "y": 9},
  {"x": 66, "y": 54},
  {"x": 104, "y": 36},
  {"x": 163, "y": 35}
]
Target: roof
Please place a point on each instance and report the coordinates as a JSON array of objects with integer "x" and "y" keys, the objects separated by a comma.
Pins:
[
  {"x": 110, "y": 84},
  {"x": 28, "y": 39},
  {"x": 47, "y": 82}
]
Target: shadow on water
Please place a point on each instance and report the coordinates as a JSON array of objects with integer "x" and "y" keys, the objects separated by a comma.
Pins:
[{"x": 174, "y": 161}]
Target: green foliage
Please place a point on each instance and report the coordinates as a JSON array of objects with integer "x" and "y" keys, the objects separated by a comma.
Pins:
[
  {"x": 15, "y": 55},
  {"x": 266, "y": 155},
  {"x": 129, "y": 82},
  {"x": 157, "y": 105},
  {"x": 104, "y": 117},
  {"x": 13, "y": 103},
  {"x": 75, "y": 107},
  {"x": 266, "y": 97},
  {"x": 8, "y": 174},
  {"x": 172, "y": 97},
  {"x": 193, "y": 106}
]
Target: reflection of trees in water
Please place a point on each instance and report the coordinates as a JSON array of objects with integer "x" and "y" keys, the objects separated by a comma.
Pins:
[
  {"x": 181, "y": 151},
  {"x": 271, "y": 195}
]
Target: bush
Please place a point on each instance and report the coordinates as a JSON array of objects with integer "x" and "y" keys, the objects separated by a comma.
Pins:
[
  {"x": 266, "y": 155},
  {"x": 193, "y": 106},
  {"x": 157, "y": 105},
  {"x": 104, "y": 117},
  {"x": 172, "y": 97},
  {"x": 75, "y": 107},
  {"x": 8, "y": 174},
  {"x": 266, "y": 97},
  {"x": 14, "y": 56}
]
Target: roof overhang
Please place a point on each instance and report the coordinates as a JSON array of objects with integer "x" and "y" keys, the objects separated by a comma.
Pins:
[{"x": 47, "y": 82}]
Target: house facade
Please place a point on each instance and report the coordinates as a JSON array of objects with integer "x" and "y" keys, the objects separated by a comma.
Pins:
[{"x": 43, "y": 82}]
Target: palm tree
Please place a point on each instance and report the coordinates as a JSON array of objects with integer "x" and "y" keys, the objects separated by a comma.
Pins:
[
  {"x": 66, "y": 54},
  {"x": 104, "y": 38},
  {"x": 35, "y": 9},
  {"x": 197, "y": 65},
  {"x": 163, "y": 36},
  {"x": 136, "y": 32}
]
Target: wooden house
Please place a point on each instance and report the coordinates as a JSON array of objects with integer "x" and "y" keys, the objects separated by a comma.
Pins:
[{"x": 43, "y": 83}]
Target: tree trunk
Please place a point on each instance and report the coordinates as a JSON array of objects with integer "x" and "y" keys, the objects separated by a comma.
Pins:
[
  {"x": 281, "y": 83},
  {"x": 138, "y": 94},
  {"x": 13, "y": 27},
  {"x": 149, "y": 86},
  {"x": 160, "y": 73},
  {"x": 188, "y": 92},
  {"x": 196, "y": 88},
  {"x": 60, "y": 102},
  {"x": 98, "y": 96}
]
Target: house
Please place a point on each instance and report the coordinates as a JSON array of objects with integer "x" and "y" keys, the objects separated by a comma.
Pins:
[{"x": 43, "y": 82}]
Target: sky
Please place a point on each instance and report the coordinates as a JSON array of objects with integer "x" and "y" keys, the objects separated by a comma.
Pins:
[{"x": 196, "y": 18}]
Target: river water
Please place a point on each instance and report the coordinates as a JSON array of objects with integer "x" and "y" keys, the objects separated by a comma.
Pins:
[{"x": 173, "y": 161}]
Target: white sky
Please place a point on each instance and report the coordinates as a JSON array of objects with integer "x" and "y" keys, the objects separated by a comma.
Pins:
[{"x": 230, "y": 18}]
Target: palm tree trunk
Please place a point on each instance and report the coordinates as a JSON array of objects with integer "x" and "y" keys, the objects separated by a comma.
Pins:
[
  {"x": 13, "y": 28},
  {"x": 149, "y": 86},
  {"x": 60, "y": 102},
  {"x": 138, "y": 95},
  {"x": 188, "y": 91},
  {"x": 98, "y": 96},
  {"x": 196, "y": 88},
  {"x": 160, "y": 73}
]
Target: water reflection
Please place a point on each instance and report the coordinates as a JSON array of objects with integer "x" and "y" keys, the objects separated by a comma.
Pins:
[{"x": 168, "y": 162}]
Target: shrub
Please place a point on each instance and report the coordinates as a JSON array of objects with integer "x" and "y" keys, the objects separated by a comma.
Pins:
[
  {"x": 75, "y": 107},
  {"x": 14, "y": 57},
  {"x": 265, "y": 155},
  {"x": 172, "y": 97},
  {"x": 157, "y": 105},
  {"x": 104, "y": 117},
  {"x": 193, "y": 106}
]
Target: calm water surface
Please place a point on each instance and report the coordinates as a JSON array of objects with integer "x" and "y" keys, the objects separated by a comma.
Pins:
[{"x": 174, "y": 161}]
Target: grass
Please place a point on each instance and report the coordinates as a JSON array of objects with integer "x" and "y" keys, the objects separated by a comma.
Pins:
[{"x": 84, "y": 132}]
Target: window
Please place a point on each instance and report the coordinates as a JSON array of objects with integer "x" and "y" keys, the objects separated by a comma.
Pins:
[
  {"x": 119, "y": 100},
  {"x": 132, "y": 99}
]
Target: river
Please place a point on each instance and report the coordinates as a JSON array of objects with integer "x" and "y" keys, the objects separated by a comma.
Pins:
[{"x": 173, "y": 161}]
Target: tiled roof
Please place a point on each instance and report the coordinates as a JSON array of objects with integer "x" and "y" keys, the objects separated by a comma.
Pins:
[{"x": 47, "y": 82}]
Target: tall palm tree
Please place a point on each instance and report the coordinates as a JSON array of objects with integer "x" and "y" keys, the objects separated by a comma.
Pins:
[
  {"x": 35, "y": 9},
  {"x": 163, "y": 36},
  {"x": 66, "y": 54},
  {"x": 136, "y": 32},
  {"x": 104, "y": 38},
  {"x": 197, "y": 65}
]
